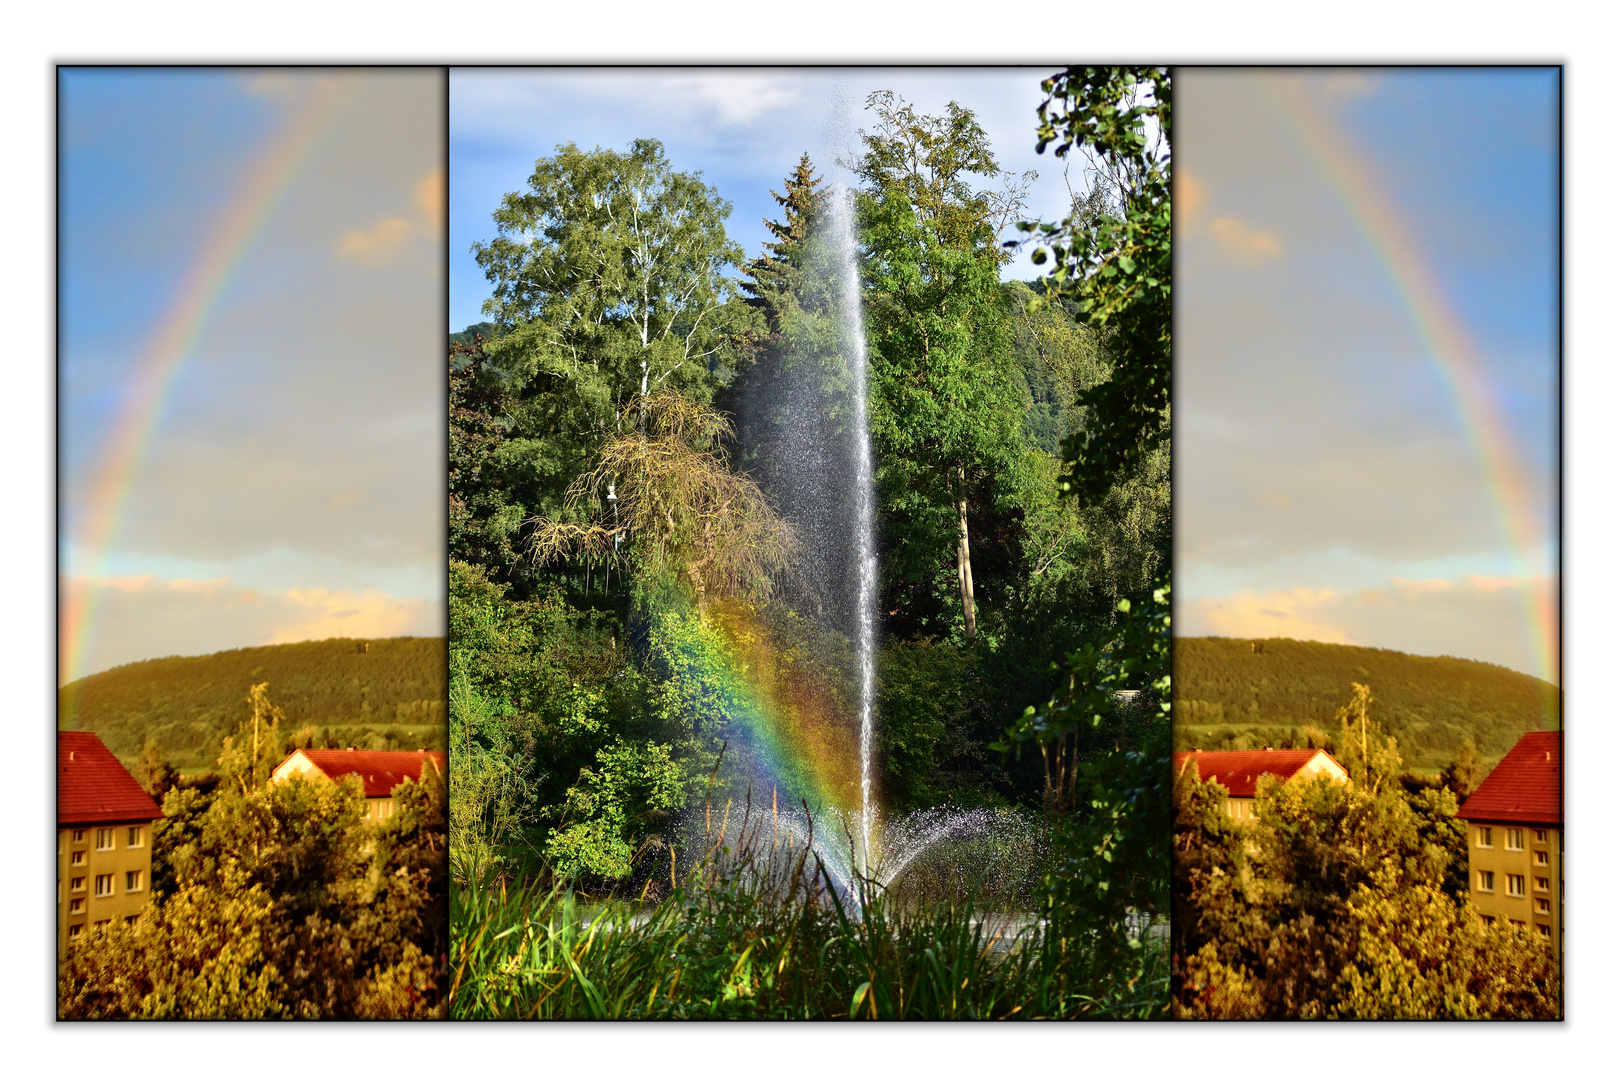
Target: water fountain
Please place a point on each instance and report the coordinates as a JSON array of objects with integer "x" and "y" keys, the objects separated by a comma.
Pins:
[{"x": 821, "y": 462}]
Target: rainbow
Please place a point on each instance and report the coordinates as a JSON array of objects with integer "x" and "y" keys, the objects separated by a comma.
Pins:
[
  {"x": 265, "y": 181},
  {"x": 790, "y": 739},
  {"x": 1447, "y": 340}
]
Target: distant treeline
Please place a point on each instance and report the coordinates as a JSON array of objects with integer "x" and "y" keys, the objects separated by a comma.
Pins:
[
  {"x": 1238, "y": 693},
  {"x": 383, "y": 693}
]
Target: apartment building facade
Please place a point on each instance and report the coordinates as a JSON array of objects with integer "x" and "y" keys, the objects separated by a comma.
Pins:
[
  {"x": 1516, "y": 838},
  {"x": 103, "y": 839}
]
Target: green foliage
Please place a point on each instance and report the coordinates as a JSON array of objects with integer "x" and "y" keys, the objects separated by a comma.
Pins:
[
  {"x": 734, "y": 940},
  {"x": 609, "y": 278},
  {"x": 605, "y": 809},
  {"x": 393, "y": 691},
  {"x": 946, "y": 412},
  {"x": 1271, "y": 691},
  {"x": 1112, "y": 256},
  {"x": 1341, "y": 899},
  {"x": 277, "y": 900}
]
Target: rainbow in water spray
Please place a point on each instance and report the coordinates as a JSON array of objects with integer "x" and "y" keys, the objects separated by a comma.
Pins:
[
  {"x": 1444, "y": 335},
  {"x": 790, "y": 736},
  {"x": 264, "y": 184}
]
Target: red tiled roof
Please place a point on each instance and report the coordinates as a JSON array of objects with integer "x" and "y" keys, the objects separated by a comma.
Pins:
[
  {"x": 1239, "y": 770},
  {"x": 380, "y": 770},
  {"x": 93, "y": 787},
  {"x": 1526, "y": 787}
]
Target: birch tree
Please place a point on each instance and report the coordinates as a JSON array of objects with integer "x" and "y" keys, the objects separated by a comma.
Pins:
[{"x": 610, "y": 280}]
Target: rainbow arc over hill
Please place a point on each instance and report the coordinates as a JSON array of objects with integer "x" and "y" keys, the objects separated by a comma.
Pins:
[
  {"x": 1445, "y": 336},
  {"x": 158, "y": 367}
]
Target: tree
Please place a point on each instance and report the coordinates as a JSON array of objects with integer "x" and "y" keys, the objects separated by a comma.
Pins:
[
  {"x": 774, "y": 281},
  {"x": 1341, "y": 899},
  {"x": 1112, "y": 256},
  {"x": 277, "y": 899},
  {"x": 609, "y": 281},
  {"x": 946, "y": 409},
  {"x": 675, "y": 508},
  {"x": 154, "y": 773}
]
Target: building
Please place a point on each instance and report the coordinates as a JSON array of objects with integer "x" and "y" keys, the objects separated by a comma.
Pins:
[
  {"x": 103, "y": 838},
  {"x": 1238, "y": 771},
  {"x": 380, "y": 771},
  {"x": 1516, "y": 838}
]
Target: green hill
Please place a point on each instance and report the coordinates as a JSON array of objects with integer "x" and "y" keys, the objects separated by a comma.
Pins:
[
  {"x": 391, "y": 695},
  {"x": 1234, "y": 693}
]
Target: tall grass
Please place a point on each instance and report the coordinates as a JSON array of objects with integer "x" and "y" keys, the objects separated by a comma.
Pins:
[{"x": 749, "y": 933}]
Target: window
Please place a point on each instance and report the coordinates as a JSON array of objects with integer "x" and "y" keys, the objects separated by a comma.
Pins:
[
  {"x": 1484, "y": 839},
  {"x": 132, "y": 881},
  {"x": 77, "y": 885},
  {"x": 1544, "y": 931},
  {"x": 79, "y": 857},
  {"x": 1487, "y": 881},
  {"x": 1541, "y": 836},
  {"x": 1515, "y": 884},
  {"x": 1541, "y": 858},
  {"x": 1515, "y": 839},
  {"x": 78, "y": 836},
  {"x": 104, "y": 839},
  {"x": 75, "y": 930},
  {"x": 1517, "y": 922},
  {"x": 131, "y": 920},
  {"x": 102, "y": 922},
  {"x": 104, "y": 885},
  {"x": 1487, "y": 919},
  {"x": 1543, "y": 906},
  {"x": 1542, "y": 884},
  {"x": 76, "y": 906},
  {"x": 134, "y": 837}
]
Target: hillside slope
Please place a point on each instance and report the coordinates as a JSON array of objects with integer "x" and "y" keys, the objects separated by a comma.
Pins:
[
  {"x": 392, "y": 694},
  {"x": 1227, "y": 689}
]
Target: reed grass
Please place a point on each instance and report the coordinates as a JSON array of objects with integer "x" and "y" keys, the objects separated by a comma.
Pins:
[{"x": 749, "y": 933}]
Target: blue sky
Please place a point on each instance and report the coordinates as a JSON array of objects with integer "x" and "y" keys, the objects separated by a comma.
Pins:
[
  {"x": 294, "y": 484},
  {"x": 743, "y": 128},
  {"x": 1326, "y": 483}
]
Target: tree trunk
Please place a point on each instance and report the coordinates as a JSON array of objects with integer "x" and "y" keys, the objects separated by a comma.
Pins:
[{"x": 964, "y": 558}]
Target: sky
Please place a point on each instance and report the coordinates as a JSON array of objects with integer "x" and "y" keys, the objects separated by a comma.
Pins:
[
  {"x": 1367, "y": 366},
  {"x": 742, "y": 128},
  {"x": 251, "y": 432}
]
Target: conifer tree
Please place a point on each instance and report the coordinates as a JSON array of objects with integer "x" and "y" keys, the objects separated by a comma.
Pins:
[{"x": 772, "y": 281}]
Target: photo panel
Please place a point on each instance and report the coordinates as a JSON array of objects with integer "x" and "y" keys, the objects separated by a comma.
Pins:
[
  {"x": 251, "y": 705},
  {"x": 1368, "y": 712}
]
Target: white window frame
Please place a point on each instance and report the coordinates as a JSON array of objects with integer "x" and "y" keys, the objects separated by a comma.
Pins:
[
  {"x": 136, "y": 837},
  {"x": 138, "y": 877},
  {"x": 1513, "y": 840},
  {"x": 1512, "y": 880},
  {"x": 1482, "y": 836},
  {"x": 110, "y": 836},
  {"x": 110, "y": 884},
  {"x": 1486, "y": 881}
]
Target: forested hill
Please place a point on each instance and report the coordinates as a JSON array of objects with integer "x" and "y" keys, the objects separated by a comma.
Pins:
[
  {"x": 1231, "y": 689},
  {"x": 385, "y": 693}
]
